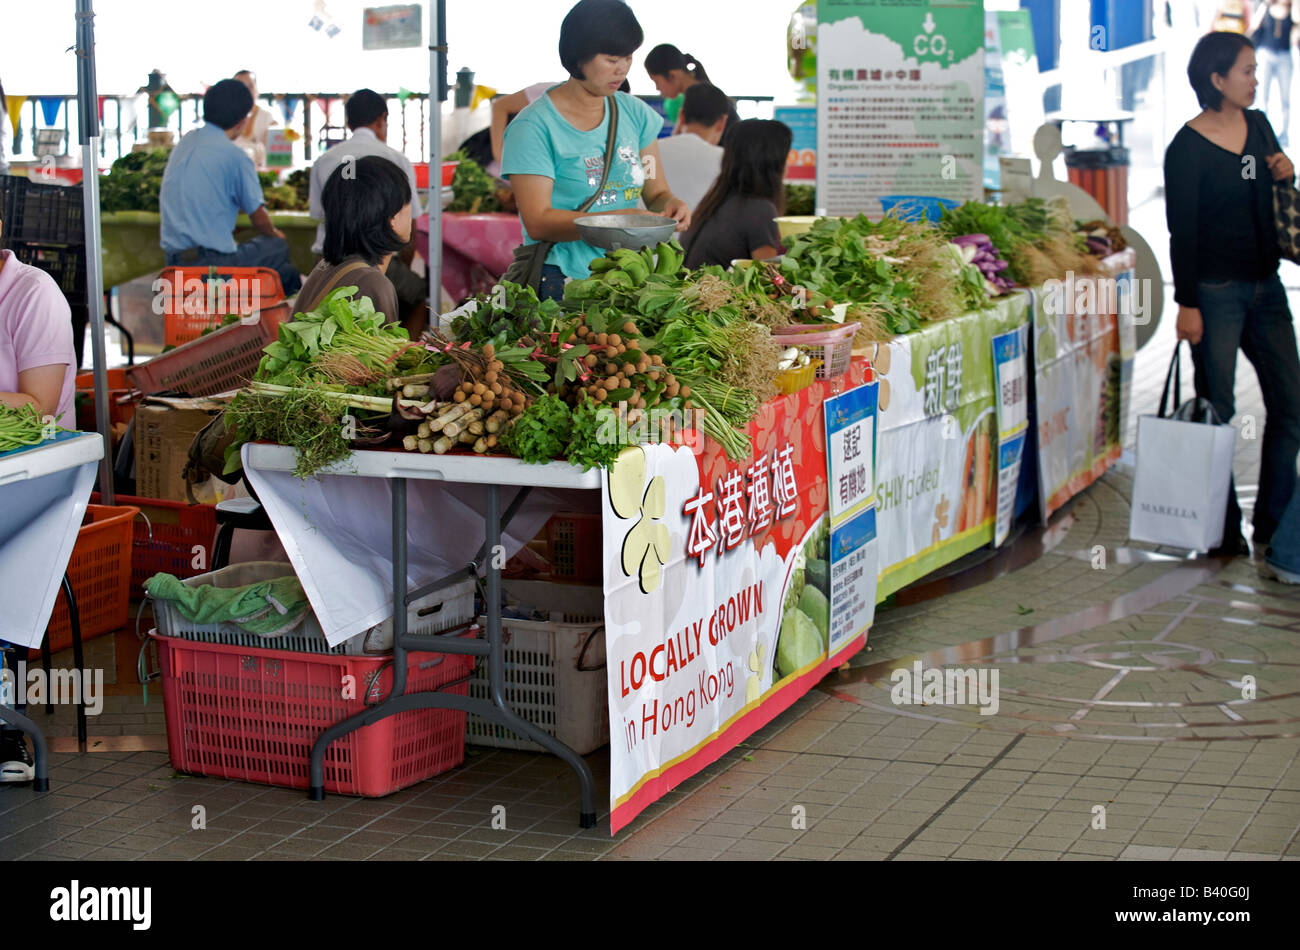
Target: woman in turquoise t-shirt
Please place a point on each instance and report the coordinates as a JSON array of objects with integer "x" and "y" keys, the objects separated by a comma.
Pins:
[{"x": 555, "y": 149}]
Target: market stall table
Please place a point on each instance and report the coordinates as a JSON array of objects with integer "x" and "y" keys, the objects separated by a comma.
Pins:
[
  {"x": 131, "y": 247},
  {"x": 269, "y": 468},
  {"x": 43, "y": 495}
]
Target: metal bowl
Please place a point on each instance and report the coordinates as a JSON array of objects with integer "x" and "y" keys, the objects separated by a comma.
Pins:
[{"x": 609, "y": 232}]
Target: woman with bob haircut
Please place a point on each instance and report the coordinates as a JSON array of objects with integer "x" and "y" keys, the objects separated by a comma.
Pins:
[
  {"x": 1219, "y": 174},
  {"x": 736, "y": 218},
  {"x": 367, "y": 205},
  {"x": 554, "y": 150}
]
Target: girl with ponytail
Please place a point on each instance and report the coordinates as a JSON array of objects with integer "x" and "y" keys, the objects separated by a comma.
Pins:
[{"x": 673, "y": 72}]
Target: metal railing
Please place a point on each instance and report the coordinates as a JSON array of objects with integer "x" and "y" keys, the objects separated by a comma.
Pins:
[{"x": 121, "y": 130}]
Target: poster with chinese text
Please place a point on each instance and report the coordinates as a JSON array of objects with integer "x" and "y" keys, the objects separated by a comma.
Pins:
[{"x": 900, "y": 103}]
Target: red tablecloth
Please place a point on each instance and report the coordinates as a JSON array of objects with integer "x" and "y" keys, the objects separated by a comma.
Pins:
[{"x": 477, "y": 248}]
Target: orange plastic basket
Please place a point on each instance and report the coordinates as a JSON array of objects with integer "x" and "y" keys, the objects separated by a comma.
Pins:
[
  {"x": 100, "y": 572},
  {"x": 251, "y": 714},
  {"x": 195, "y": 299},
  {"x": 167, "y": 539},
  {"x": 573, "y": 542},
  {"x": 216, "y": 363},
  {"x": 121, "y": 405}
]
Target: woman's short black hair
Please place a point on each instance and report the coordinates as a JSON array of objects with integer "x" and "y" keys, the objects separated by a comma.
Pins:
[
  {"x": 364, "y": 107},
  {"x": 227, "y": 104},
  {"x": 360, "y": 199},
  {"x": 704, "y": 105},
  {"x": 1214, "y": 53},
  {"x": 595, "y": 27}
]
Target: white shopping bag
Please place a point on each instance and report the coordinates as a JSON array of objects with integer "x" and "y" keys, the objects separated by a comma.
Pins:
[{"x": 1184, "y": 471}]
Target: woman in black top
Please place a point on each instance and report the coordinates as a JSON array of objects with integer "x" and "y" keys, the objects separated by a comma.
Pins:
[
  {"x": 736, "y": 217},
  {"x": 1219, "y": 173},
  {"x": 1274, "y": 38}
]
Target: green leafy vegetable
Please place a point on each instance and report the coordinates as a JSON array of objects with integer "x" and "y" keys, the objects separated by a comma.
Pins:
[
  {"x": 474, "y": 189},
  {"x": 542, "y": 432},
  {"x": 589, "y": 445}
]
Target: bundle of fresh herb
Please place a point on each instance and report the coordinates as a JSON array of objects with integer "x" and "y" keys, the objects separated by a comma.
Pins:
[
  {"x": 505, "y": 315},
  {"x": 475, "y": 191},
  {"x": 343, "y": 325},
  {"x": 315, "y": 421},
  {"x": 541, "y": 433}
]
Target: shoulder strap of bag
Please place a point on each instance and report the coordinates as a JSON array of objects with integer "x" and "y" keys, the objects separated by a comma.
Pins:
[
  {"x": 1265, "y": 131},
  {"x": 609, "y": 152},
  {"x": 1175, "y": 375},
  {"x": 334, "y": 283}
]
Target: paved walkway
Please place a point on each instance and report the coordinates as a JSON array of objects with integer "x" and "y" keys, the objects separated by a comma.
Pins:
[{"x": 1124, "y": 731}]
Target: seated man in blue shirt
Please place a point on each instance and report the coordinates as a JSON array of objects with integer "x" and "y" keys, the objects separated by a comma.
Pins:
[{"x": 208, "y": 181}]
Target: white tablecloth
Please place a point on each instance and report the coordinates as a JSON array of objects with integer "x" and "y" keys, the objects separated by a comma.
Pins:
[
  {"x": 43, "y": 496},
  {"x": 337, "y": 528}
]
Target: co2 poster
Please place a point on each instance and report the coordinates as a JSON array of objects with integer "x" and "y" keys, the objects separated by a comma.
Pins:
[{"x": 900, "y": 104}]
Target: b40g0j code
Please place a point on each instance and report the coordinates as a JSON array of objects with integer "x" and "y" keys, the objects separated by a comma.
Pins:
[{"x": 1238, "y": 891}]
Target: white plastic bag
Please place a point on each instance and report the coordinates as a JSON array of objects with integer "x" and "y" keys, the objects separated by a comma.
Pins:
[{"x": 1184, "y": 472}]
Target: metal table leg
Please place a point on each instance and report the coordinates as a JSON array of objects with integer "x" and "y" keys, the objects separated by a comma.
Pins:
[
  {"x": 496, "y": 710},
  {"x": 497, "y": 674},
  {"x": 78, "y": 660}
]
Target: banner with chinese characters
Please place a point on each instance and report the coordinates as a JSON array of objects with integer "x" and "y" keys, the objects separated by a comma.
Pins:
[
  {"x": 1078, "y": 376},
  {"x": 900, "y": 103},
  {"x": 717, "y": 593},
  {"x": 938, "y": 459},
  {"x": 1011, "y": 382}
]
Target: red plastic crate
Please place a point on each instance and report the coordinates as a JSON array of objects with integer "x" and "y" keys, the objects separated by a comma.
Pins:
[
  {"x": 100, "y": 572},
  {"x": 165, "y": 537},
  {"x": 212, "y": 364},
  {"x": 251, "y": 714},
  {"x": 118, "y": 389},
  {"x": 195, "y": 299},
  {"x": 573, "y": 542}
]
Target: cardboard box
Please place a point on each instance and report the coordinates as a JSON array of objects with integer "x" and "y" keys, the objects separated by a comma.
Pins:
[{"x": 164, "y": 429}]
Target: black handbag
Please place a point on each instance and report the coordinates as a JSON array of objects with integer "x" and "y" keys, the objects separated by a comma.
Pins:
[{"x": 529, "y": 259}]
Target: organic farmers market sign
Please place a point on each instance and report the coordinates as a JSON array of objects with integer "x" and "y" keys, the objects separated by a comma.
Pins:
[
  {"x": 718, "y": 592},
  {"x": 900, "y": 102}
]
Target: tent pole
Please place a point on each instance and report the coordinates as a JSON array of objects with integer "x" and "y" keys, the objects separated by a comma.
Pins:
[
  {"x": 88, "y": 123},
  {"x": 437, "y": 96}
]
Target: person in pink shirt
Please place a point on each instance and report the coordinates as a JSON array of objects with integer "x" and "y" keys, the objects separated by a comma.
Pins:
[{"x": 38, "y": 364}]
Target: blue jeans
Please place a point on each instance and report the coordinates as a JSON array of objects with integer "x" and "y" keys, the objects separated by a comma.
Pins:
[
  {"x": 1273, "y": 65},
  {"x": 1253, "y": 316},
  {"x": 262, "y": 251},
  {"x": 1284, "y": 551},
  {"x": 552, "y": 285}
]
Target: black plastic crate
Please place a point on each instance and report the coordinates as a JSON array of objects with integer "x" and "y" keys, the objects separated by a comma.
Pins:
[
  {"x": 35, "y": 212},
  {"x": 67, "y": 265}
]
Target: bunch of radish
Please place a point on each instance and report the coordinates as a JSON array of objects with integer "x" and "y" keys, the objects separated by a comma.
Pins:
[{"x": 978, "y": 250}]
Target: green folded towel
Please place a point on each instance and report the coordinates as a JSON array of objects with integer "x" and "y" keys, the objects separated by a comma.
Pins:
[{"x": 268, "y": 608}]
